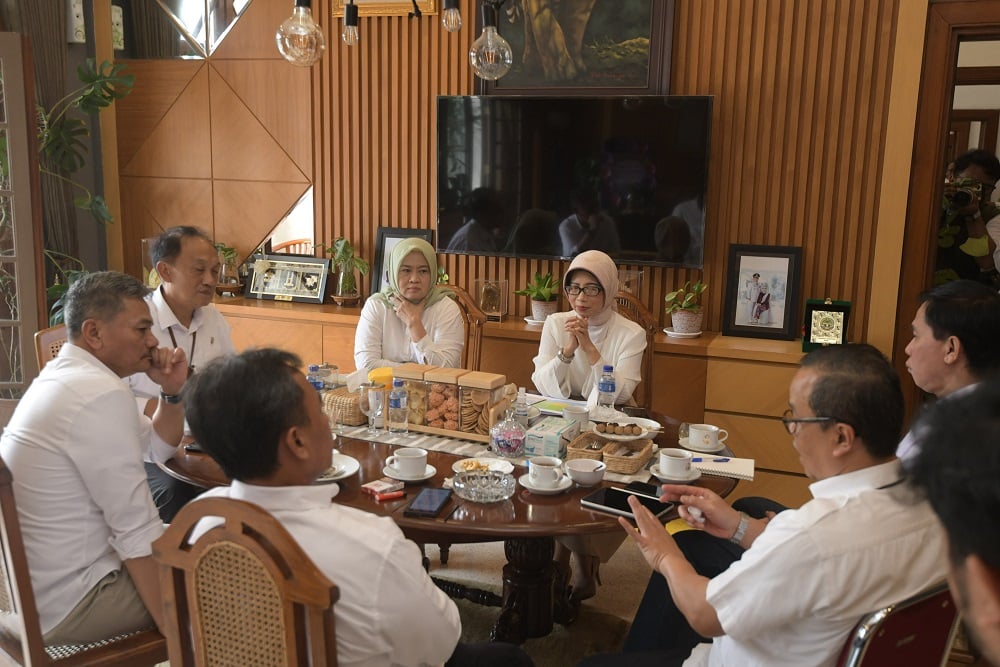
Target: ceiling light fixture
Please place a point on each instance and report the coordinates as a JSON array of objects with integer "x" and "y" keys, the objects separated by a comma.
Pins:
[
  {"x": 491, "y": 55},
  {"x": 451, "y": 17},
  {"x": 300, "y": 40},
  {"x": 350, "y": 33}
]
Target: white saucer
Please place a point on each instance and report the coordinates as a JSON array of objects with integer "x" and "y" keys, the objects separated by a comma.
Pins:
[
  {"x": 692, "y": 475},
  {"x": 686, "y": 444},
  {"x": 494, "y": 464},
  {"x": 429, "y": 472},
  {"x": 564, "y": 484},
  {"x": 531, "y": 320},
  {"x": 677, "y": 334},
  {"x": 343, "y": 466}
]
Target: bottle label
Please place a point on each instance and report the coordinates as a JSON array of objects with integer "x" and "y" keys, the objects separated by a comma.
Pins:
[
  {"x": 395, "y": 403},
  {"x": 606, "y": 386}
]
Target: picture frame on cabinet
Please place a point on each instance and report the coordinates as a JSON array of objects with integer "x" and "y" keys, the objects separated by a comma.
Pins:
[
  {"x": 385, "y": 239},
  {"x": 762, "y": 291},
  {"x": 386, "y": 7},
  {"x": 284, "y": 278}
]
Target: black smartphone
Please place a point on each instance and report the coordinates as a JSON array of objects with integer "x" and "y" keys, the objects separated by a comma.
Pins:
[
  {"x": 643, "y": 489},
  {"x": 428, "y": 503},
  {"x": 635, "y": 411},
  {"x": 615, "y": 501}
]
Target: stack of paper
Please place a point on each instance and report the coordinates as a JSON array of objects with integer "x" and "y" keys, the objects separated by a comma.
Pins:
[{"x": 724, "y": 466}]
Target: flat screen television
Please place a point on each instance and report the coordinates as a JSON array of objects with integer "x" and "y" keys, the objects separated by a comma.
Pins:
[{"x": 549, "y": 177}]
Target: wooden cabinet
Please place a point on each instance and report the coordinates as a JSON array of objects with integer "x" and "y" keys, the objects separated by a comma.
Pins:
[{"x": 740, "y": 384}]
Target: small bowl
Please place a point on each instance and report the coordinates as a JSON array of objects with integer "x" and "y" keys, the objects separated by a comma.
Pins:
[
  {"x": 484, "y": 486},
  {"x": 585, "y": 472}
]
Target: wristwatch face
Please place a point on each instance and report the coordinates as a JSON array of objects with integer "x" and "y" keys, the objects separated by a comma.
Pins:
[{"x": 827, "y": 327}]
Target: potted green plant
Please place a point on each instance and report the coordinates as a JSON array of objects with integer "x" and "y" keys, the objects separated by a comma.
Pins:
[
  {"x": 347, "y": 263},
  {"x": 229, "y": 275},
  {"x": 544, "y": 294},
  {"x": 684, "y": 307}
]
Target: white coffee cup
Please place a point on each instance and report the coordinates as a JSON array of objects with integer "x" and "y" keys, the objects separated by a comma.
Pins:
[
  {"x": 576, "y": 413},
  {"x": 408, "y": 462},
  {"x": 706, "y": 436},
  {"x": 545, "y": 471},
  {"x": 675, "y": 463}
]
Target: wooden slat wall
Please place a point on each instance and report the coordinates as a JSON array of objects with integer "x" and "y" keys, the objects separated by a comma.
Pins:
[{"x": 801, "y": 99}]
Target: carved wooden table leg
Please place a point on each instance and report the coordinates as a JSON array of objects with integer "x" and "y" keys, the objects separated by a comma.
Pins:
[{"x": 528, "y": 594}]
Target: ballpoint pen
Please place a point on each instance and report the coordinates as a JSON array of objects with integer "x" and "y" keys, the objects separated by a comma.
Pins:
[{"x": 699, "y": 459}]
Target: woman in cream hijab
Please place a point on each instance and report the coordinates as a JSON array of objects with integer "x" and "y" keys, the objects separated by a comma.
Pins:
[
  {"x": 411, "y": 319},
  {"x": 572, "y": 353}
]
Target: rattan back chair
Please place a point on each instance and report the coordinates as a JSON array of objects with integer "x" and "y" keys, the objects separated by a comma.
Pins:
[
  {"x": 475, "y": 320},
  {"x": 243, "y": 592},
  {"x": 629, "y": 306},
  {"x": 21, "y": 638},
  {"x": 48, "y": 342}
]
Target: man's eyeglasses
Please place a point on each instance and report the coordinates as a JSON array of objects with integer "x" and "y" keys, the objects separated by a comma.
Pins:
[
  {"x": 791, "y": 422},
  {"x": 590, "y": 290}
]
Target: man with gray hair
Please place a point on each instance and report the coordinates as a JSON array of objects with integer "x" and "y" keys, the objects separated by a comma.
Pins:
[{"x": 75, "y": 448}]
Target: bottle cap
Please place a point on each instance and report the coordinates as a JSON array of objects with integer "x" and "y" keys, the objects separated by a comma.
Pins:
[
  {"x": 608, "y": 369},
  {"x": 397, "y": 382},
  {"x": 313, "y": 368}
]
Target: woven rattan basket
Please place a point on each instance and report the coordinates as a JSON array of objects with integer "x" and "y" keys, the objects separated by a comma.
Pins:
[
  {"x": 579, "y": 447},
  {"x": 640, "y": 451},
  {"x": 345, "y": 403}
]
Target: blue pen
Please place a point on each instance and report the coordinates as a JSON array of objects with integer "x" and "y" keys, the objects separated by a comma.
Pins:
[{"x": 698, "y": 459}]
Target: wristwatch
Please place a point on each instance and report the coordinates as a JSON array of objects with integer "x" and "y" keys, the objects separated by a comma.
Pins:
[
  {"x": 563, "y": 358},
  {"x": 741, "y": 529},
  {"x": 171, "y": 399}
]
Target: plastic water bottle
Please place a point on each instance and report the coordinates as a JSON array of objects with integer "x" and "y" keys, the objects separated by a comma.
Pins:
[
  {"x": 398, "y": 410},
  {"x": 521, "y": 408},
  {"x": 606, "y": 391},
  {"x": 315, "y": 377}
]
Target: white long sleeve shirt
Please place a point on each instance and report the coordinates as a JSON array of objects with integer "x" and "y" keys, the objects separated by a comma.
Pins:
[{"x": 382, "y": 339}]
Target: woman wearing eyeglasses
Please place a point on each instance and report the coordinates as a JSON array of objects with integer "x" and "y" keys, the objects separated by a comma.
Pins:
[
  {"x": 572, "y": 353},
  {"x": 576, "y": 345}
]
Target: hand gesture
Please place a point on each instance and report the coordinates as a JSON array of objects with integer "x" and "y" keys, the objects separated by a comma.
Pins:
[
  {"x": 653, "y": 540},
  {"x": 408, "y": 312},
  {"x": 712, "y": 514},
  {"x": 169, "y": 369},
  {"x": 579, "y": 334}
]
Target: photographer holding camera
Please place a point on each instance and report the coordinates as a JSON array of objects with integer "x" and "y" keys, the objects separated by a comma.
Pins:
[{"x": 969, "y": 235}]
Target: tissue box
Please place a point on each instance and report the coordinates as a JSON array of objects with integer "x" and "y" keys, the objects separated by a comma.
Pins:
[{"x": 550, "y": 436}]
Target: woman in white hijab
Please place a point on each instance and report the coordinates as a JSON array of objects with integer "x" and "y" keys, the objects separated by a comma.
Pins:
[
  {"x": 572, "y": 353},
  {"x": 411, "y": 319},
  {"x": 576, "y": 345}
]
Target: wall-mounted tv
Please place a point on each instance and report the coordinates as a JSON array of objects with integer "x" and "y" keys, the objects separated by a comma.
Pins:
[{"x": 551, "y": 177}]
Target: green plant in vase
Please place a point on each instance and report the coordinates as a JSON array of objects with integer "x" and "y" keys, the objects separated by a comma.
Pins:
[
  {"x": 348, "y": 265},
  {"x": 229, "y": 273},
  {"x": 544, "y": 294},
  {"x": 684, "y": 308}
]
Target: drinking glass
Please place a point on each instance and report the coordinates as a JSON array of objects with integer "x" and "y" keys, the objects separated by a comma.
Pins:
[{"x": 371, "y": 403}]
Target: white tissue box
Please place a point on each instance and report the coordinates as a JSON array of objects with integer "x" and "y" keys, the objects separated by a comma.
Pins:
[{"x": 550, "y": 436}]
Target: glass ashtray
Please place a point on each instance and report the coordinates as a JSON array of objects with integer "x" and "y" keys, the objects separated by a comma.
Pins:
[{"x": 484, "y": 486}]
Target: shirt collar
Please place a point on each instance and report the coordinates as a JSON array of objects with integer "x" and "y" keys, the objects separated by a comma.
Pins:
[
  {"x": 165, "y": 315},
  {"x": 291, "y": 498},
  {"x": 853, "y": 483}
]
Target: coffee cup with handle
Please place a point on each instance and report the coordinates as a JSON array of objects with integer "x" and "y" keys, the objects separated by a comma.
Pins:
[
  {"x": 408, "y": 462},
  {"x": 675, "y": 463},
  {"x": 545, "y": 471},
  {"x": 706, "y": 436}
]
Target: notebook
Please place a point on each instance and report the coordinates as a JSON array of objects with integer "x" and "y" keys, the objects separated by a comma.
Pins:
[{"x": 734, "y": 467}]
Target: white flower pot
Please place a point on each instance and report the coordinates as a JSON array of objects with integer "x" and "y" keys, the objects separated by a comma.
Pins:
[
  {"x": 542, "y": 309},
  {"x": 684, "y": 321}
]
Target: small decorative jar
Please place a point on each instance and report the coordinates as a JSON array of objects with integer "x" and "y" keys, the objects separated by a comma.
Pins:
[{"x": 507, "y": 437}]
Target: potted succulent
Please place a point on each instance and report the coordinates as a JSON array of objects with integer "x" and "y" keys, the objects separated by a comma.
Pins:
[
  {"x": 544, "y": 293},
  {"x": 347, "y": 263},
  {"x": 684, "y": 307}
]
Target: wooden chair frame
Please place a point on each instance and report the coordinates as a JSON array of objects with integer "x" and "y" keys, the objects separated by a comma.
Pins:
[
  {"x": 629, "y": 306},
  {"x": 48, "y": 342},
  {"x": 17, "y": 600},
  {"x": 306, "y": 596},
  {"x": 295, "y": 247},
  {"x": 475, "y": 320}
]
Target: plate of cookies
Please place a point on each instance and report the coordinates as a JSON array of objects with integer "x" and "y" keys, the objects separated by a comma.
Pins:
[
  {"x": 483, "y": 464},
  {"x": 631, "y": 428}
]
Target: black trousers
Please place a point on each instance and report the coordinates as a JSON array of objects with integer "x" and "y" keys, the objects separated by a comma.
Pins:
[
  {"x": 169, "y": 494},
  {"x": 489, "y": 654}
]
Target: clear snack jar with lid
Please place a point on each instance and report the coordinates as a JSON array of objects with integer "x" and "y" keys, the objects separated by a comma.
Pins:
[
  {"x": 478, "y": 395},
  {"x": 416, "y": 388},
  {"x": 442, "y": 397},
  {"x": 507, "y": 437}
]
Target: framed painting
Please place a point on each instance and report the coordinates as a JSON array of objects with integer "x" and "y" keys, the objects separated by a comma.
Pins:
[
  {"x": 762, "y": 291},
  {"x": 582, "y": 47},
  {"x": 285, "y": 278},
  {"x": 386, "y": 7},
  {"x": 385, "y": 241}
]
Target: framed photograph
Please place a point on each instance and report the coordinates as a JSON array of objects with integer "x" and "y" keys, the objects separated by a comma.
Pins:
[
  {"x": 285, "y": 278},
  {"x": 385, "y": 241},
  {"x": 762, "y": 291},
  {"x": 611, "y": 48},
  {"x": 386, "y": 7},
  {"x": 825, "y": 323}
]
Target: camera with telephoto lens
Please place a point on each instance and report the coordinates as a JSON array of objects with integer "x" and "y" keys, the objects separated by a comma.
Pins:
[{"x": 962, "y": 192}]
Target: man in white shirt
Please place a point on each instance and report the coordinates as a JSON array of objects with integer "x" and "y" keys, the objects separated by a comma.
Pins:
[
  {"x": 807, "y": 575},
  {"x": 588, "y": 227},
  {"x": 75, "y": 446},
  {"x": 183, "y": 316},
  {"x": 957, "y": 467},
  {"x": 273, "y": 440}
]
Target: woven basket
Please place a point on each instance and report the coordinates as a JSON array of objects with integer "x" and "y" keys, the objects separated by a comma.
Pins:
[
  {"x": 345, "y": 403},
  {"x": 640, "y": 451},
  {"x": 578, "y": 448}
]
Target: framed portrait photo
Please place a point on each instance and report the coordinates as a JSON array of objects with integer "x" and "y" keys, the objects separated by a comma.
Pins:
[
  {"x": 762, "y": 291},
  {"x": 385, "y": 241},
  {"x": 285, "y": 278}
]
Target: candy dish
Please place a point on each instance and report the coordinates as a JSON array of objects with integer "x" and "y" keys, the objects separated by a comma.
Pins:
[{"x": 484, "y": 486}]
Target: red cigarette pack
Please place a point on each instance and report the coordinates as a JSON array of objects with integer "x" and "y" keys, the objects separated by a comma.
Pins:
[{"x": 382, "y": 486}]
